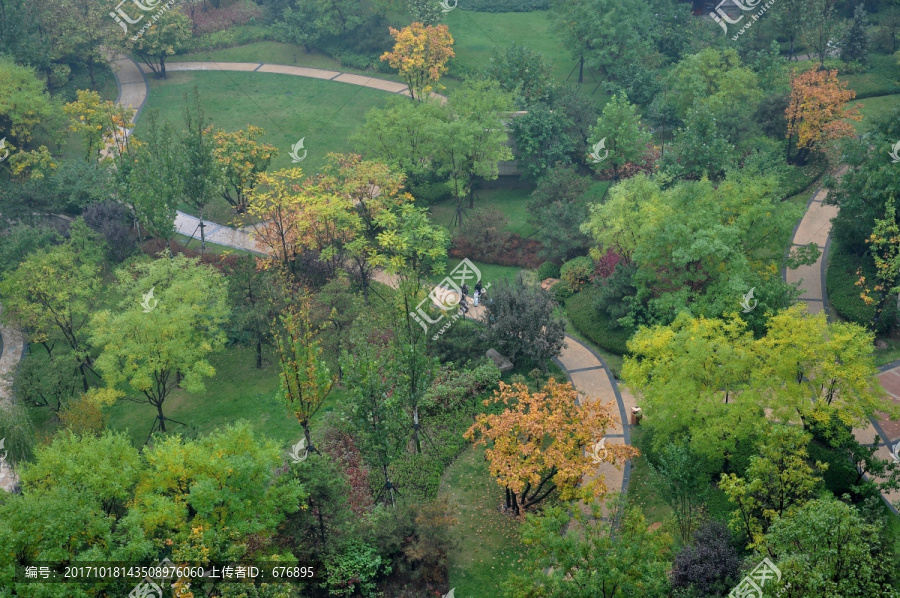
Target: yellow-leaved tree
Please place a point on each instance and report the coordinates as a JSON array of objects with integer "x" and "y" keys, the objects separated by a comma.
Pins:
[{"x": 420, "y": 55}]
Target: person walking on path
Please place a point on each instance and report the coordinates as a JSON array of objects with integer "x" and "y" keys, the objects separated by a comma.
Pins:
[
  {"x": 477, "y": 296},
  {"x": 465, "y": 290}
]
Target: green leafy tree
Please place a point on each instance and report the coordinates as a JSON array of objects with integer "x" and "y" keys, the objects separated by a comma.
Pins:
[
  {"x": 24, "y": 103},
  {"x": 826, "y": 548},
  {"x": 153, "y": 352},
  {"x": 542, "y": 140},
  {"x": 627, "y": 140},
  {"x": 855, "y": 43},
  {"x": 684, "y": 485},
  {"x": 779, "y": 480},
  {"x": 593, "y": 559},
  {"x": 522, "y": 72},
  {"x": 556, "y": 211},
  {"x": 256, "y": 299},
  {"x": 166, "y": 36}
]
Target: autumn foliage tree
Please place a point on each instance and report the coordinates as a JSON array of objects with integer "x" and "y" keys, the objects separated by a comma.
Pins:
[
  {"x": 305, "y": 379},
  {"x": 420, "y": 55},
  {"x": 817, "y": 112},
  {"x": 99, "y": 122},
  {"x": 536, "y": 445},
  {"x": 242, "y": 157}
]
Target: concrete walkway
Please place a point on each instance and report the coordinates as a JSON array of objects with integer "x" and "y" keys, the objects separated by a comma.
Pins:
[
  {"x": 587, "y": 371},
  {"x": 815, "y": 227}
]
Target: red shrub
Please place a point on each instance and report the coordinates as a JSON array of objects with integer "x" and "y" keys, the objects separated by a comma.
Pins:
[
  {"x": 605, "y": 267},
  {"x": 341, "y": 447},
  {"x": 206, "y": 19},
  {"x": 154, "y": 247}
]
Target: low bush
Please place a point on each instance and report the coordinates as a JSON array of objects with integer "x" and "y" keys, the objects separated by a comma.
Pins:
[
  {"x": 507, "y": 5},
  {"x": 844, "y": 295},
  {"x": 548, "y": 270},
  {"x": 515, "y": 251},
  {"x": 234, "y": 36},
  {"x": 561, "y": 291},
  {"x": 577, "y": 272},
  {"x": 595, "y": 325}
]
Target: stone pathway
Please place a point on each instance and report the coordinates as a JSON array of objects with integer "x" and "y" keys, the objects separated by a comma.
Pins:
[
  {"x": 12, "y": 348},
  {"x": 587, "y": 371},
  {"x": 815, "y": 227}
]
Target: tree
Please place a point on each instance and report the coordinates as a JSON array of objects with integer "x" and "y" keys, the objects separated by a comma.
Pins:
[
  {"x": 98, "y": 122},
  {"x": 711, "y": 564},
  {"x": 855, "y": 44},
  {"x": 420, "y": 55},
  {"x": 167, "y": 35},
  {"x": 424, "y": 11},
  {"x": 24, "y": 103},
  {"x": 784, "y": 17},
  {"x": 521, "y": 323},
  {"x": 199, "y": 173},
  {"x": 817, "y": 113},
  {"x": 884, "y": 243},
  {"x": 473, "y": 138},
  {"x": 53, "y": 291},
  {"x": 522, "y": 72},
  {"x": 825, "y": 548},
  {"x": 779, "y": 480},
  {"x": 820, "y": 28},
  {"x": 305, "y": 379},
  {"x": 242, "y": 158},
  {"x": 542, "y": 140},
  {"x": 536, "y": 444},
  {"x": 557, "y": 200},
  {"x": 111, "y": 220},
  {"x": 621, "y": 125},
  {"x": 46, "y": 382},
  {"x": 326, "y": 519},
  {"x": 272, "y": 203},
  {"x": 155, "y": 351},
  {"x": 256, "y": 299},
  {"x": 594, "y": 558},
  {"x": 683, "y": 485}
]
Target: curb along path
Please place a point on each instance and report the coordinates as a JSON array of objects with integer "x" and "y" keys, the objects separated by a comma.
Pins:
[
  {"x": 587, "y": 371},
  {"x": 815, "y": 227}
]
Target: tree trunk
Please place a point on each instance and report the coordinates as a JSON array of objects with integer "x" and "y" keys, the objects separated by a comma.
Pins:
[
  {"x": 581, "y": 70},
  {"x": 161, "y": 417},
  {"x": 258, "y": 354},
  {"x": 162, "y": 66}
]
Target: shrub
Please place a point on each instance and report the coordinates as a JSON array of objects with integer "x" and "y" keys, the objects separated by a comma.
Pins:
[
  {"x": 711, "y": 565},
  {"x": 430, "y": 193},
  {"x": 844, "y": 295},
  {"x": 577, "y": 272},
  {"x": 561, "y": 291},
  {"x": 354, "y": 571},
  {"x": 507, "y": 5},
  {"x": 548, "y": 270},
  {"x": 233, "y": 36},
  {"x": 84, "y": 416},
  {"x": 594, "y": 325}
]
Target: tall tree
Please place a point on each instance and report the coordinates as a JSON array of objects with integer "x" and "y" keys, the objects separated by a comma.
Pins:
[
  {"x": 821, "y": 27},
  {"x": 256, "y": 299},
  {"x": 99, "y": 122},
  {"x": 817, "y": 111},
  {"x": 242, "y": 157},
  {"x": 627, "y": 140},
  {"x": 420, "y": 55},
  {"x": 855, "y": 43},
  {"x": 305, "y": 379},
  {"x": 536, "y": 444},
  {"x": 594, "y": 558},
  {"x": 24, "y": 103},
  {"x": 272, "y": 203},
  {"x": 167, "y": 35},
  {"x": 167, "y": 343}
]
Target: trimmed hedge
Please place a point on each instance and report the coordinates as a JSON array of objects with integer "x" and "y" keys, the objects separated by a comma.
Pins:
[
  {"x": 548, "y": 270},
  {"x": 506, "y": 5},
  {"x": 227, "y": 38},
  {"x": 840, "y": 284},
  {"x": 595, "y": 325}
]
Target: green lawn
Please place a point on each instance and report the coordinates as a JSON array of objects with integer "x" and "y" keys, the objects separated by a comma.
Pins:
[
  {"x": 488, "y": 540},
  {"x": 324, "y": 113},
  {"x": 511, "y": 202},
  {"x": 874, "y": 108},
  {"x": 882, "y": 74},
  {"x": 489, "y": 272}
]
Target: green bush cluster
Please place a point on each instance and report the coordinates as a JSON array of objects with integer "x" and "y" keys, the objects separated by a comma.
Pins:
[
  {"x": 561, "y": 291},
  {"x": 227, "y": 38},
  {"x": 577, "y": 272},
  {"x": 507, "y": 5},
  {"x": 840, "y": 283},
  {"x": 595, "y": 325},
  {"x": 548, "y": 270}
]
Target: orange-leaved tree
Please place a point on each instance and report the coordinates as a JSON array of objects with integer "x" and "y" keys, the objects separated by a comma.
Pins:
[
  {"x": 817, "y": 111},
  {"x": 420, "y": 56},
  {"x": 537, "y": 444},
  {"x": 305, "y": 378}
]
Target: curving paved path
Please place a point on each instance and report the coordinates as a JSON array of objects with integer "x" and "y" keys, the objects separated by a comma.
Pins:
[
  {"x": 587, "y": 371},
  {"x": 815, "y": 227}
]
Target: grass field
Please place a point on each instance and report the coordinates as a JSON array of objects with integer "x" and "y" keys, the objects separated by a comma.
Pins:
[
  {"x": 324, "y": 113},
  {"x": 489, "y": 272},
  {"x": 883, "y": 73},
  {"x": 873, "y": 109},
  {"x": 488, "y": 542}
]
